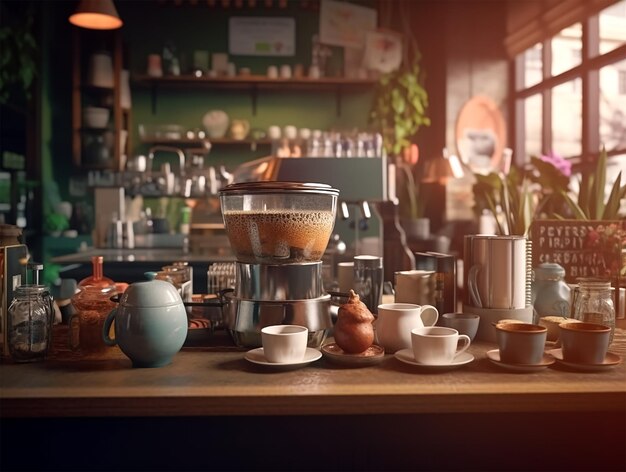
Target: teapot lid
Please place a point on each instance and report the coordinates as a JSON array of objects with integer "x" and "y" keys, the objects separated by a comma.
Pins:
[
  {"x": 549, "y": 269},
  {"x": 150, "y": 294}
]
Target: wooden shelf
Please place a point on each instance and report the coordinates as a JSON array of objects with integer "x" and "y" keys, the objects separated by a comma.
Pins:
[
  {"x": 254, "y": 83},
  {"x": 249, "y": 80},
  {"x": 202, "y": 142}
]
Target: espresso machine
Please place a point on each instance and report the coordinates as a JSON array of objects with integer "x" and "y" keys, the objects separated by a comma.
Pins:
[{"x": 278, "y": 232}]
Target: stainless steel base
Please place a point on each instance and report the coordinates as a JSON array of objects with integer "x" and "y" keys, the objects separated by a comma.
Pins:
[
  {"x": 245, "y": 318},
  {"x": 278, "y": 281}
]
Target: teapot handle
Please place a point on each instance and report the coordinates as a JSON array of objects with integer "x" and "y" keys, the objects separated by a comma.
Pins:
[
  {"x": 432, "y": 315},
  {"x": 107, "y": 327}
]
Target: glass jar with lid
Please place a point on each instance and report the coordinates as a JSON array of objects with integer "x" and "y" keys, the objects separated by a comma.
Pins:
[
  {"x": 29, "y": 321},
  {"x": 593, "y": 303}
]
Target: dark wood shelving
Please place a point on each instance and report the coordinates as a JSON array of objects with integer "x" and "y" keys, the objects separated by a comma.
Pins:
[{"x": 254, "y": 83}]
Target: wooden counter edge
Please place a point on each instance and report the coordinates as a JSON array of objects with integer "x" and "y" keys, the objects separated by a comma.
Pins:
[{"x": 312, "y": 405}]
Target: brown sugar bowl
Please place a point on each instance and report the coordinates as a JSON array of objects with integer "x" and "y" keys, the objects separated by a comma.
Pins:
[{"x": 354, "y": 331}]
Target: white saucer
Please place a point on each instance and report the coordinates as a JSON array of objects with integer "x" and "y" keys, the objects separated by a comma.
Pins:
[
  {"x": 256, "y": 356},
  {"x": 610, "y": 360},
  {"x": 406, "y": 356},
  {"x": 494, "y": 356}
]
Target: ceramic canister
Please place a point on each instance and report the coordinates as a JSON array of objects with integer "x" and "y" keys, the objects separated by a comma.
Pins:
[{"x": 150, "y": 323}]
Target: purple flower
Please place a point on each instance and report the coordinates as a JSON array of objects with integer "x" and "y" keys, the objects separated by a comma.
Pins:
[{"x": 559, "y": 162}]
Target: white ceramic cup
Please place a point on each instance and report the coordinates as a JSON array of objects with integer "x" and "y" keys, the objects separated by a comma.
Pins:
[
  {"x": 290, "y": 132},
  {"x": 274, "y": 132},
  {"x": 396, "y": 320},
  {"x": 284, "y": 343},
  {"x": 345, "y": 276},
  {"x": 435, "y": 345},
  {"x": 272, "y": 72},
  {"x": 285, "y": 71},
  {"x": 415, "y": 286}
]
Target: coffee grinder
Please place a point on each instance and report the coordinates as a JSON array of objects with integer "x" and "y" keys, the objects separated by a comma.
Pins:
[{"x": 278, "y": 232}]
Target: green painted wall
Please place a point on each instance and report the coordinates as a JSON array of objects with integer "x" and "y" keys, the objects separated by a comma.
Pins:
[{"x": 147, "y": 26}]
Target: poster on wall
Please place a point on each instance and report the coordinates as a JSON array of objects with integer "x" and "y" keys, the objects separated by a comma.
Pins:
[
  {"x": 262, "y": 36},
  {"x": 344, "y": 24}
]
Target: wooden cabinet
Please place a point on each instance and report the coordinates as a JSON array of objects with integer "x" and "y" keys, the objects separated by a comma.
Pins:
[{"x": 101, "y": 111}]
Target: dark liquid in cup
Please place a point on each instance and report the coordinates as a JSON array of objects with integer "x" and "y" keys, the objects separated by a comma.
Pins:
[{"x": 279, "y": 236}]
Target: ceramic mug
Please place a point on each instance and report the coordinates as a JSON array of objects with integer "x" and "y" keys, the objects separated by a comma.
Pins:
[
  {"x": 284, "y": 343},
  {"x": 396, "y": 320},
  {"x": 435, "y": 345},
  {"x": 584, "y": 343},
  {"x": 521, "y": 343},
  {"x": 150, "y": 323}
]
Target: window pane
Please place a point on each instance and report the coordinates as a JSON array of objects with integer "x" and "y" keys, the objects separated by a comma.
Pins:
[
  {"x": 532, "y": 65},
  {"x": 532, "y": 115},
  {"x": 613, "y": 27},
  {"x": 567, "y": 118},
  {"x": 613, "y": 105},
  {"x": 567, "y": 49}
]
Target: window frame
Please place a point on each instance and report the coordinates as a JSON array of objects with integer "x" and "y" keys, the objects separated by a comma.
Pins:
[{"x": 588, "y": 71}]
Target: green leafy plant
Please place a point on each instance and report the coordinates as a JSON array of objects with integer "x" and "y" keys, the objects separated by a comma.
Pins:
[
  {"x": 399, "y": 107},
  {"x": 512, "y": 195},
  {"x": 590, "y": 204},
  {"x": 55, "y": 223}
]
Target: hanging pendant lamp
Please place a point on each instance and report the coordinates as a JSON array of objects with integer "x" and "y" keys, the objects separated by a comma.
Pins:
[{"x": 96, "y": 14}]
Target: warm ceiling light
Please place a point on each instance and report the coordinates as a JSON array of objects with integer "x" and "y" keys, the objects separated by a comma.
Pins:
[{"x": 96, "y": 14}]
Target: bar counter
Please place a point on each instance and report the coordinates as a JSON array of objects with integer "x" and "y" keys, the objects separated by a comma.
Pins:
[{"x": 212, "y": 391}]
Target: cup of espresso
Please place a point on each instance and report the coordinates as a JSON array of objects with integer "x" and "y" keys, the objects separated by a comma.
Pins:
[
  {"x": 584, "y": 343},
  {"x": 284, "y": 343},
  {"x": 435, "y": 345}
]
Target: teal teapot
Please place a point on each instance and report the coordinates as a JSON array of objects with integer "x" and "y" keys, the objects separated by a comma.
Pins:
[
  {"x": 150, "y": 323},
  {"x": 550, "y": 292}
]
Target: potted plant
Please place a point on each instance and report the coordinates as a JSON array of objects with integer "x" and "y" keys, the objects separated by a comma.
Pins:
[
  {"x": 399, "y": 107},
  {"x": 55, "y": 224},
  {"x": 398, "y": 112}
]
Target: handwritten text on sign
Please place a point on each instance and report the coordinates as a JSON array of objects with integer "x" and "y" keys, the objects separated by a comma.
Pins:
[{"x": 583, "y": 248}]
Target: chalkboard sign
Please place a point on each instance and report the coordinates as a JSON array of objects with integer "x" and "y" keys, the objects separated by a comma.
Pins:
[{"x": 583, "y": 248}]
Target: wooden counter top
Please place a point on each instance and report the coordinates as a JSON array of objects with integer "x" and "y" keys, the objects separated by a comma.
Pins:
[{"x": 219, "y": 381}]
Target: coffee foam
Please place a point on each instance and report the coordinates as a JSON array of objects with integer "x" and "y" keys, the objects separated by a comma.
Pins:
[{"x": 282, "y": 235}]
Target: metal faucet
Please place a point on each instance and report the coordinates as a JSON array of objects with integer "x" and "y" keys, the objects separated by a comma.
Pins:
[{"x": 162, "y": 148}]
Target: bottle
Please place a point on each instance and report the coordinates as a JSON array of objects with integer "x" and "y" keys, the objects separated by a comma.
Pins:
[
  {"x": 594, "y": 303},
  {"x": 29, "y": 321},
  {"x": 96, "y": 278},
  {"x": 550, "y": 293}
]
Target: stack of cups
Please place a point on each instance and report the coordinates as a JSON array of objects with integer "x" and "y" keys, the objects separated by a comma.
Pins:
[{"x": 496, "y": 281}]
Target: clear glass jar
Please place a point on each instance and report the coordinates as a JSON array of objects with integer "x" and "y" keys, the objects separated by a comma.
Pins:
[
  {"x": 594, "y": 303},
  {"x": 29, "y": 323}
]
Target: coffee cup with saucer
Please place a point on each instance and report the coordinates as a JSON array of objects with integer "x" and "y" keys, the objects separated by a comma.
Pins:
[
  {"x": 521, "y": 347},
  {"x": 283, "y": 346},
  {"x": 436, "y": 348}
]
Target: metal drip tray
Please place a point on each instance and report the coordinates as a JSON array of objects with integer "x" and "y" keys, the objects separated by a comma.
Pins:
[
  {"x": 245, "y": 318},
  {"x": 278, "y": 282}
]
